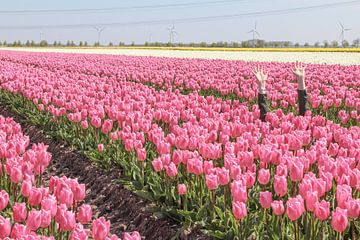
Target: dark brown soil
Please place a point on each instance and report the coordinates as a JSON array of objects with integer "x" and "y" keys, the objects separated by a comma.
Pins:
[{"x": 107, "y": 197}]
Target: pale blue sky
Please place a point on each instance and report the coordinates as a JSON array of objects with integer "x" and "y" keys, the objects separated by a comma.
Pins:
[{"x": 305, "y": 26}]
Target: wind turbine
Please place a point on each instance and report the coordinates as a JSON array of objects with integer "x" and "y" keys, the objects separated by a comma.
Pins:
[
  {"x": 99, "y": 31},
  {"x": 172, "y": 32},
  {"x": 254, "y": 31},
  {"x": 342, "y": 33},
  {"x": 41, "y": 36}
]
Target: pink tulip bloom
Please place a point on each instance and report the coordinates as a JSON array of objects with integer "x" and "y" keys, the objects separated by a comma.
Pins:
[
  {"x": 311, "y": 200},
  {"x": 238, "y": 191},
  {"x": 33, "y": 221},
  {"x": 141, "y": 154},
  {"x": 19, "y": 212},
  {"x": 67, "y": 221},
  {"x": 18, "y": 231},
  {"x": 84, "y": 214},
  {"x": 49, "y": 203},
  {"x": 339, "y": 219},
  {"x": 265, "y": 199},
  {"x": 101, "y": 147},
  {"x": 133, "y": 236},
  {"x": 182, "y": 189},
  {"x": 26, "y": 187},
  {"x": 5, "y": 227},
  {"x": 239, "y": 210},
  {"x": 4, "y": 199},
  {"x": 212, "y": 181},
  {"x": 45, "y": 218},
  {"x": 223, "y": 176},
  {"x": 264, "y": 176},
  {"x": 100, "y": 229},
  {"x": 157, "y": 165},
  {"x": 353, "y": 209},
  {"x": 295, "y": 208},
  {"x": 79, "y": 233},
  {"x": 280, "y": 185},
  {"x": 278, "y": 207},
  {"x": 296, "y": 170},
  {"x": 16, "y": 175}
]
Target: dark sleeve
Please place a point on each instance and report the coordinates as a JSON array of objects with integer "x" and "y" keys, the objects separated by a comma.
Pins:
[
  {"x": 262, "y": 106},
  {"x": 302, "y": 97}
]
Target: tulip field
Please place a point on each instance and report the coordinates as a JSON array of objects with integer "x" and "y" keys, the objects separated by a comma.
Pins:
[{"x": 187, "y": 135}]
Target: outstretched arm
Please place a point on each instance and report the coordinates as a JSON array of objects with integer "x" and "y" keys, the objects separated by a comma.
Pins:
[
  {"x": 299, "y": 72},
  {"x": 261, "y": 77}
]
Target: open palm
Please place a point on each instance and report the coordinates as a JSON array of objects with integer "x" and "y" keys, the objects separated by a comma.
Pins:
[{"x": 299, "y": 70}]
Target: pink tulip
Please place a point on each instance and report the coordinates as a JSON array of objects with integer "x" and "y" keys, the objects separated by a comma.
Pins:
[
  {"x": 101, "y": 147},
  {"x": 5, "y": 227},
  {"x": 280, "y": 185},
  {"x": 84, "y": 125},
  {"x": 49, "y": 203},
  {"x": 239, "y": 210},
  {"x": 265, "y": 199},
  {"x": 343, "y": 194},
  {"x": 278, "y": 207},
  {"x": 264, "y": 176},
  {"x": 295, "y": 207},
  {"x": 84, "y": 214},
  {"x": 45, "y": 218},
  {"x": 100, "y": 229},
  {"x": 67, "y": 221},
  {"x": 18, "y": 231},
  {"x": 35, "y": 197},
  {"x": 141, "y": 154},
  {"x": 16, "y": 175},
  {"x": 26, "y": 187},
  {"x": 182, "y": 189},
  {"x": 353, "y": 209},
  {"x": 212, "y": 181},
  {"x": 33, "y": 221},
  {"x": 223, "y": 176},
  {"x": 171, "y": 170},
  {"x": 19, "y": 212},
  {"x": 296, "y": 171},
  {"x": 133, "y": 236},
  {"x": 4, "y": 199},
  {"x": 311, "y": 200},
  {"x": 79, "y": 233},
  {"x": 339, "y": 220},
  {"x": 157, "y": 165},
  {"x": 238, "y": 191}
]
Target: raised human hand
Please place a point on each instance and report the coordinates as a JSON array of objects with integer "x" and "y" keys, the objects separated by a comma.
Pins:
[
  {"x": 261, "y": 77},
  {"x": 299, "y": 72}
]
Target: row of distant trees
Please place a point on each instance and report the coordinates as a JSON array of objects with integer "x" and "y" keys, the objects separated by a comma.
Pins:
[{"x": 244, "y": 44}]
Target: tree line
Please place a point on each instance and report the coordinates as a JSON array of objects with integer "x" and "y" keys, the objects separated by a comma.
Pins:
[{"x": 244, "y": 44}]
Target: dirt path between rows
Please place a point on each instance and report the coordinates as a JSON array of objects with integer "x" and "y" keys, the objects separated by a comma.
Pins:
[{"x": 108, "y": 198}]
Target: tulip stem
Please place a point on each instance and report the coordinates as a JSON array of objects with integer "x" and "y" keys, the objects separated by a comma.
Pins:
[
  {"x": 313, "y": 225},
  {"x": 225, "y": 214}
]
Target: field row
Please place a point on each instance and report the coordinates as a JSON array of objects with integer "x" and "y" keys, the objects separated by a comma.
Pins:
[
  {"x": 31, "y": 208},
  {"x": 342, "y": 58}
]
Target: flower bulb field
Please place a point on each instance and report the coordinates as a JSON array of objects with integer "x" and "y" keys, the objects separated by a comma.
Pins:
[{"x": 185, "y": 139}]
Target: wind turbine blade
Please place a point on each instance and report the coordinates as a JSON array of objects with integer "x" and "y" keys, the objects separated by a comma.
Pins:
[
  {"x": 255, "y": 25},
  {"x": 341, "y": 25},
  {"x": 347, "y": 29},
  {"x": 250, "y": 31},
  {"x": 257, "y": 34}
]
